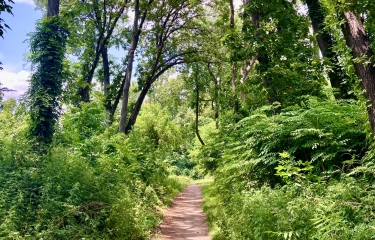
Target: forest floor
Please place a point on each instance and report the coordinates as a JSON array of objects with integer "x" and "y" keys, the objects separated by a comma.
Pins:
[{"x": 185, "y": 218}]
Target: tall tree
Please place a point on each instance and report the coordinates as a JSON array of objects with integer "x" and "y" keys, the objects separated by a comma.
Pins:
[
  {"x": 263, "y": 58},
  {"x": 197, "y": 108},
  {"x": 326, "y": 43},
  {"x": 93, "y": 24},
  {"x": 48, "y": 49},
  {"x": 169, "y": 43},
  {"x": 133, "y": 46},
  {"x": 234, "y": 64},
  {"x": 357, "y": 39},
  {"x": 278, "y": 38}
]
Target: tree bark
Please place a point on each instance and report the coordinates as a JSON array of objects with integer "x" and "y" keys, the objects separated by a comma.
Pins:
[
  {"x": 217, "y": 84},
  {"x": 53, "y": 8},
  {"x": 358, "y": 41},
  {"x": 106, "y": 82},
  {"x": 142, "y": 96},
  {"x": 117, "y": 100},
  {"x": 234, "y": 87},
  {"x": 231, "y": 14},
  {"x": 137, "y": 108},
  {"x": 234, "y": 65},
  {"x": 197, "y": 112},
  {"x": 325, "y": 42},
  {"x": 106, "y": 73},
  {"x": 129, "y": 69},
  {"x": 84, "y": 92},
  {"x": 247, "y": 67}
]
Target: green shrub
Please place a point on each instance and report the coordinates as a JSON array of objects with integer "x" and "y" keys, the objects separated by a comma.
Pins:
[
  {"x": 91, "y": 183},
  {"x": 337, "y": 210},
  {"x": 327, "y": 134}
]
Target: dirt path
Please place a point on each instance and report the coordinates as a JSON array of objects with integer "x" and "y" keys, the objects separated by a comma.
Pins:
[{"x": 185, "y": 218}]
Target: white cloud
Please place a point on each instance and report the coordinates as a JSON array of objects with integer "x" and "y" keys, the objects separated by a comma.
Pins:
[
  {"x": 30, "y": 2},
  {"x": 16, "y": 81}
]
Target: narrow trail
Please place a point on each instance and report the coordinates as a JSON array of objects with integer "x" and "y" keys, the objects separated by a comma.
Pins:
[{"x": 185, "y": 218}]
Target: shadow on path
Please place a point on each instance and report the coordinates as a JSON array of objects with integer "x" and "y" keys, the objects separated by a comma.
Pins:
[{"x": 185, "y": 218}]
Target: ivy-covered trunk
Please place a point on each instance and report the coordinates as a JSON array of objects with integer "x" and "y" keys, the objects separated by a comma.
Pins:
[
  {"x": 48, "y": 49},
  {"x": 358, "y": 41}
]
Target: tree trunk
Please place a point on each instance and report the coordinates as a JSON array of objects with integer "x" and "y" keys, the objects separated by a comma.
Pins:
[
  {"x": 116, "y": 102},
  {"x": 358, "y": 41},
  {"x": 234, "y": 87},
  {"x": 247, "y": 67},
  {"x": 106, "y": 73},
  {"x": 146, "y": 87},
  {"x": 84, "y": 92},
  {"x": 215, "y": 101},
  {"x": 137, "y": 107},
  {"x": 217, "y": 85},
  {"x": 326, "y": 43},
  {"x": 234, "y": 65},
  {"x": 263, "y": 60},
  {"x": 231, "y": 14},
  {"x": 105, "y": 30},
  {"x": 106, "y": 82},
  {"x": 46, "y": 82},
  {"x": 53, "y": 8},
  {"x": 197, "y": 113},
  {"x": 129, "y": 69},
  {"x": 121, "y": 89}
]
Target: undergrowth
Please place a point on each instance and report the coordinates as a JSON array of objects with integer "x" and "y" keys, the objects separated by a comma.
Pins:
[
  {"x": 305, "y": 173},
  {"x": 336, "y": 210},
  {"x": 91, "y": 183}
]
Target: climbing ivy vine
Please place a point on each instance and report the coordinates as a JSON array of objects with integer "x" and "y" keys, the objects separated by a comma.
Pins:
[{"x": 47, "y": 56}]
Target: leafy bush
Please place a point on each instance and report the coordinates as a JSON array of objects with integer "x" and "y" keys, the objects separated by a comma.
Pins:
[
  {"x": 327, "y": 134},
  {"x": 337, "y": 210},
  {"x": 91, "y": 184},
  {"x": 305, "y": 173}
]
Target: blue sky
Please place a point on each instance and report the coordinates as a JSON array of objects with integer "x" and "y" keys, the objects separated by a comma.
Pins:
[{"x": 14, "y": 46}]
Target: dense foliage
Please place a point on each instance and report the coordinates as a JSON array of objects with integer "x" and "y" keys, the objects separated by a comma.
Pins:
[
  {"x": 245, "y": 95},
  {"x": 91, "y": 183},
  {"x": 48, "y": 52},
  {"x": 301, "y": 174}
]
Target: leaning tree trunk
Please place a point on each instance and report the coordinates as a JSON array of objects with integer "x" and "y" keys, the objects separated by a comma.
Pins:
[
  {"x": 325, "y": 41},
  {"x": 133, "y": 46},
  {"x": 137, "y": 107},
  {"x": 358, "y": 41}
]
